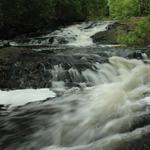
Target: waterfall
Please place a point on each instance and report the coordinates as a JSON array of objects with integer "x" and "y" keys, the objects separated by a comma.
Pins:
[
  {"x": 86, "y": 96},
  {"x": 78, "y": 35},
  {"x": 105, "y": 113},
  {"x": 103, "y": 116}
]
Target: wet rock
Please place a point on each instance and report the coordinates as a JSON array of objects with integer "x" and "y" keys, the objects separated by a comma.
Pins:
[
  {"x": 138, "y": 55},
  {"x": 4, "y": 43},
  {"x": 61, "y": 40},
  {"x": 8, "y": 57},
  {"x": 24, "y": 68},
  {"x": 108, "y": 36}
]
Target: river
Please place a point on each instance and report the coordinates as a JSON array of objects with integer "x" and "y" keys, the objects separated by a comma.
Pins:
[{"x": 98, "y": 97}]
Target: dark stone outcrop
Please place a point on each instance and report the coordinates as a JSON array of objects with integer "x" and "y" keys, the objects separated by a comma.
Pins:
[
  {"x": 109, "y": 36},
  {"x": 25, "y": 68}
]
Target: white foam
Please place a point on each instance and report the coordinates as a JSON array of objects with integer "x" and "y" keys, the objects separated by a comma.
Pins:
[
  {"x": 105, "y": 109},
  {"x": 83, "y": 35},
  {"x": 102, "y": 116},
  {"x": 21, "y": 97},
  {"x": 78, "y": 35}
]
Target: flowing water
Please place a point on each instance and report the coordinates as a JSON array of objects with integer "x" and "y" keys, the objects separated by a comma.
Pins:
[
  {"x": 76, "y": 35},
  {"x": 108, "y": 110}
]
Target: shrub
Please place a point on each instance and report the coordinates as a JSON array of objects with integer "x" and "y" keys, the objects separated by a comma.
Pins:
[
  {"x": 121, "y": 9},
  {"x": 140, "y": 35}
]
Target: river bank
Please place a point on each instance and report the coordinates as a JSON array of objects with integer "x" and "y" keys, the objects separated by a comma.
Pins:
[
  {"x": 37, "y": 61},
  {"x": 27, "y": 68},
  {"x": 117, "y": 32},
  {"x": 131, "y": 32}
]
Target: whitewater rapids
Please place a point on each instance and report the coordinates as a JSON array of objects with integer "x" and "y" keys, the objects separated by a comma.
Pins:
[
  {"x": 104, "y": 115},
  {"x": 90, "y": 100},
  {"x": 101, "y": 117},
  {"x": 78, "y": 35}
]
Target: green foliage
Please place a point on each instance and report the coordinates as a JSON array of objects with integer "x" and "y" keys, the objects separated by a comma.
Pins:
[
  {"x": 31, "y": 15},
  {"x": 33, "y": 10},
  {"x": 68, "y": 10},
  {"x": 95, "y": 8},
  {"x": 121, "y": 9},
  {"x": 139, "y": 36},
  {"x": 28, "y": 11}
]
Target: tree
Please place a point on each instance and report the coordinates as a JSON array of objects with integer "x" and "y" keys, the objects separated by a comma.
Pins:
[
  {"x": 128, "y": 8},
  {"x": 68, "y": 10},
  {"x": 144, "y": 7},
  {"x": 95, "y": 8}
]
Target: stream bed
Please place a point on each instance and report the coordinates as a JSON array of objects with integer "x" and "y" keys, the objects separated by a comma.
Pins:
[{"x": 68, "y": 93}]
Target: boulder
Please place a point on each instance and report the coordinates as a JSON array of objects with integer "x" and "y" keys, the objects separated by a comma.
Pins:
[{"x": 108, "y": 36}]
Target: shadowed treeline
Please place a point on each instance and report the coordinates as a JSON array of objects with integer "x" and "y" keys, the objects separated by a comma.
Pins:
[
  {"x": 22, "y": 16},
  {"x": 26, "y": 16}
]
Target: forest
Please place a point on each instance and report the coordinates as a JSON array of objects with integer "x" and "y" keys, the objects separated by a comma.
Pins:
[{"x": 25, "y": 16}]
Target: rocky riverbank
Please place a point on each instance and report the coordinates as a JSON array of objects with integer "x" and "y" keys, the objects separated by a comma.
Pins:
[
  {"x": 37, "y": 62},
  {"x": 134, "y": 28},
  {"x": 110, "y": 35},
  {"x": 26, "y": 68}
]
